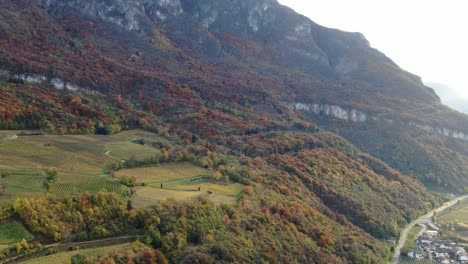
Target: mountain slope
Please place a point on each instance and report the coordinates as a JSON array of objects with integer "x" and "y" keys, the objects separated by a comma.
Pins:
[{"x": 243, "y": 80}]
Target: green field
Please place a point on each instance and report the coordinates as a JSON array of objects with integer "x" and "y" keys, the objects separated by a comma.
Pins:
[
  {"x": 75, "y": 184},
  {"x": 410, "y": 243},
  {"x": 87, "y": 153},
  {"x": 38, "y": 152},
  {"x": 456, "y": 217},
  {"x": 79, "y": 159},
  {"x": 228, "y": 189},
  {"x": 147, "y": 196},
  {"x": 82, "y": 159},
  {"x": 13, "y": 232},
  {"x": 457, "y": 212},
  {"x": 21, "y": 186},
  {"x": 180, "y": 180},
  {"x": 131, "y": 151},
  {"x": 166, "y": 172},
  {"x": 64, "y": 257}
]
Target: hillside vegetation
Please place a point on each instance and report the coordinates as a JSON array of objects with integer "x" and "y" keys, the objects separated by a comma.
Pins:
[{"x": 210, "y": 85}]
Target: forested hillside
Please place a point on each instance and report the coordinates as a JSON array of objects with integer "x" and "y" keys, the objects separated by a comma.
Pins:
[{"x": 336, "y": 144}]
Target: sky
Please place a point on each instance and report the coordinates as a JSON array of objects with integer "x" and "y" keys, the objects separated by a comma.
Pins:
[{"x": 426, "y": 37}]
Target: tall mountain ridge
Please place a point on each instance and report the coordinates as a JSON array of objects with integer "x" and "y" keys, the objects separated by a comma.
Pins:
[{"x": 342, "y": 144}]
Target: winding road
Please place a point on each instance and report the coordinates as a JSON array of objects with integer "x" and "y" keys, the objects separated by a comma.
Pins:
[{"x": 423, "y": 220}]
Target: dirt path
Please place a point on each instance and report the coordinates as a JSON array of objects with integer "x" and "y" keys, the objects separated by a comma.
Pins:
[
  {"x": 109, "y": 150},
  {"x": 425, "y": 219}
]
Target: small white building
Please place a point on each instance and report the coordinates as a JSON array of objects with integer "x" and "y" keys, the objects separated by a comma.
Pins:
[
  {"x": 443, "y": 260},
  {"x": 416, "y": 254},
  {"x": 462, "y": 256},
  {"x": 441, "y": 253},
  {"x": 424, "y": 239}
]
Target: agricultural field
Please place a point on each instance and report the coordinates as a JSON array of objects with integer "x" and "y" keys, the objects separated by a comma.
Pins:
[
  {"x": 224, "y": 189},
  {"x": 147, "y": 196},
  {"x": 410, "y": 243},
  {"x": 81, "y": 162},
  {"x": 456, "y": 217},
  {"x": 11, "y": 233},
  {"x": 457, "y": 212},
  {"x": 64, "y": 257},
  {"x": 18, "y": 186},
  {"x": 131, "y": 151},
  {"x": 406, "y": 260},
  {"x": 70, "y": 184},
  {"x": 166, "y": 172},
  {"x": 86, "y": 153},
  {"x": 179, "y": 180}
]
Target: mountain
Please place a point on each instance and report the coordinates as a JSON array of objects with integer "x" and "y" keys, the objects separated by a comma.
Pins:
[
  {"x": 450, "y": 97},
  {"x": 337, "y": 144}
]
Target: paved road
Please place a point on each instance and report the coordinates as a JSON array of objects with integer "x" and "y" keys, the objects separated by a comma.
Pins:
[{"x": 425, "y": 219}]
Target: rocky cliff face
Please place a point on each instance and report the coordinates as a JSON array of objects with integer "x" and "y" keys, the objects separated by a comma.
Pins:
[
  {"x": 291, "y": 39},
  {"x": 354, "y": 115}
]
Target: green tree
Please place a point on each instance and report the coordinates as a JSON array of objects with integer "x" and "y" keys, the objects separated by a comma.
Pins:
[
  {"x": 3, "y": 188},
  {"x": 80, "y": 259},
  {"x": 52, "y": 175}
]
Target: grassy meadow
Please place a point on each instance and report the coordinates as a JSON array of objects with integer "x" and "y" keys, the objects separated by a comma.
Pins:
[
  {"x": 147, "y": 196},
  {"x": 165, "y": 172},
  {"x": 180, "y": 180}
]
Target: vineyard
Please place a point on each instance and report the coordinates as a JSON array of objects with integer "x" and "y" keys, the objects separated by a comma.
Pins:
[
  {"x": 28, "y": 183},
  {"x": 64, "y": 257},
  {"x": 86, "y": 152},
  {"x": 13, "y": 232},
  {"x": 457, "y": 213},
  {"x": 76, "y": 184},
  {"x": 410, "y": 243},
  {"x": 406, "y": 260}
]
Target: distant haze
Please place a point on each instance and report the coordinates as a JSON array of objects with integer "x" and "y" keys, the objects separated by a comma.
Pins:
[
  {"x": 425, "y": 37},
  {"x": 450, "y": 97}
]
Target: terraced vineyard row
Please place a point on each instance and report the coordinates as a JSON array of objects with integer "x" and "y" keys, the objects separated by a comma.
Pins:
[
  {"x": 69, "y": 185},
  {"x": 406, "y": 260},
  {"x": 22, "y": 172}
]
